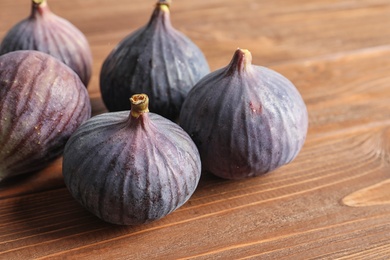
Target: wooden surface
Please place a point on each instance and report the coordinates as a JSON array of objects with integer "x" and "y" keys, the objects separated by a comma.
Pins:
[{"x": 332, "y": 202}]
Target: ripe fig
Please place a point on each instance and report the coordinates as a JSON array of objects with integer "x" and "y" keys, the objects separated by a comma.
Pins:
[
  {"x": 246, "y": 120},
  {"x": 42, "y": 102},
  {"x": 46, "y": 32},
  {"x": 131, "y": 167},
  {"x": 156, "y": 60}
]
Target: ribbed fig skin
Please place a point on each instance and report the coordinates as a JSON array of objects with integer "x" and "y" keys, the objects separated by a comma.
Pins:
[
  {"x": 46, "y": 32},
  {"x": 42, "y": 102},
  {"x": 130, "y": 172},
  {"x": 246, "y": 120},
  {"x": 156, "y": 60}
]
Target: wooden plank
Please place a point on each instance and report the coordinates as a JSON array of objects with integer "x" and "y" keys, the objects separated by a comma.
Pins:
[
  {"x": 274, "y": 31},
  {"x": 280, "y": 208},
  {"x": 296, "y": 210},
  {"x": 331, "y": 202},
  {"x": 343, "y": 91}
]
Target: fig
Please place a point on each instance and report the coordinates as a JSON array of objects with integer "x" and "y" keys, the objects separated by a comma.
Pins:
[
  {"x": 131, "y": 167},
  {"x": 156, "y": 60},
  {"x": 246, "y": 120},
  {"x": 46, "y": 32},
  {"x": 42, "y": 102}
]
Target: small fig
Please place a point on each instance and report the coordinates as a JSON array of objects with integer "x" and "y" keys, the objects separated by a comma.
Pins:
[
  {"x": 46, "y": 32},
  {"x": 131, "y": 167},
  {"x": 246, "y": 120},
  {"x": 156, "y": 60},
  {"x": 42, "y": 102}
]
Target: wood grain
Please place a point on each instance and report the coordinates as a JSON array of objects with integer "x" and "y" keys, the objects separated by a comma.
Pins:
[
  {"x": 332, "y": 202},
  {"x": 377, "y": 194}
]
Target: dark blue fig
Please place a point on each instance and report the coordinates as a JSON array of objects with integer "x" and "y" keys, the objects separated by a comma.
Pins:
[
  {"x": 246, "y": 120},
  {"x": 42, "y": 102},
  {"x": 46, "y": 32},
  {"x": 156, "y": 60},
  {"x": 131, "y": 167}
]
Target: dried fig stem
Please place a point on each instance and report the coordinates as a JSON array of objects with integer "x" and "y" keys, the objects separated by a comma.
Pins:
[{"x": 139, "y": 105}]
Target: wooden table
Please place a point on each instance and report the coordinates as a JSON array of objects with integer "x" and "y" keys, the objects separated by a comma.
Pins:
[{"x": 333, "y": 201}]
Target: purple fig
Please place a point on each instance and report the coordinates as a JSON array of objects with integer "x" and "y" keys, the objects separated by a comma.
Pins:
[
  {"x": 46, "y": 32},
  {"x": 156, "y": 60},
  {"x": 42, "y": 101},
  {"x": 246, "y": 120},
  {"x": 131, "y": 167}
]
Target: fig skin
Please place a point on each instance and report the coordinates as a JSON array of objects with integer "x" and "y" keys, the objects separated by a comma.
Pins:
[
  {"x": 246, "y": 120},
  {"x": 46, "y": 32},
  {"x": 42, "y": 102},
  {"x": 131, "y": 167},
  {"x": 156, "y": 60}
]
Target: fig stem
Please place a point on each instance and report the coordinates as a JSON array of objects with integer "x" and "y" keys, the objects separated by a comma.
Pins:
[
  {"x": 139, "y": 105},
  {"x": 244, "y": 58},
  {"x": 39, "y": 7},
  {"x": 39, "y": 2},
  {"x": 160, "y": 14},
  {"x": 164, "y": 8},
  {"x": 164, "y": 2},
  {"x": 241, "y": 61},
  {"x": 247, "y": 56},
  {"x": 163, "y": 5}
]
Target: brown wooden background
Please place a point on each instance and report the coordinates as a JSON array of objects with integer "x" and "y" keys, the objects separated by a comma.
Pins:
[{"x": 332, "y": 202}]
